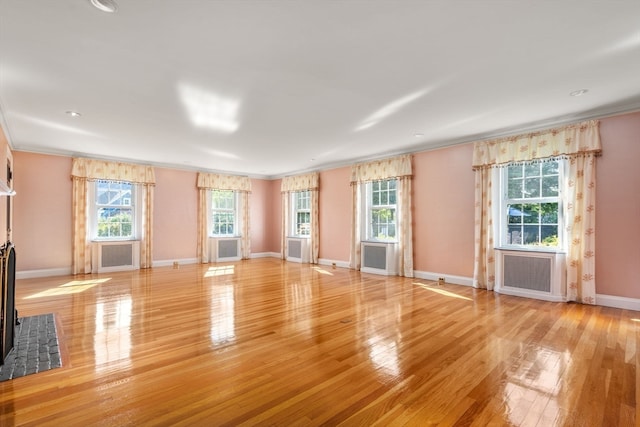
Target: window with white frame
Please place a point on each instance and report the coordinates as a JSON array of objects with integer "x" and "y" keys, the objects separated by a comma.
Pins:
[
  {"x": 114, "y": 210},
  {"x": 224, "y": 217},
  {"x": 381, "y": 210},
  {"x": 301, "y": 213},
  {"x": 532, "y": 204}
]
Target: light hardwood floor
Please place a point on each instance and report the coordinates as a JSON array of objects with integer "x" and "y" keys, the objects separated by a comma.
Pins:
[{"x": 265, "y": 342}]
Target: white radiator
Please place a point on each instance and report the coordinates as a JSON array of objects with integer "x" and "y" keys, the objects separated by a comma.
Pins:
[
  {"x": 298, "y": 249},
  {"x": 116, "y": 256},
  {"x": 223, "y": 249},
  {"x": 378, "y": 258},
  {"x": 540, "y": 275}
]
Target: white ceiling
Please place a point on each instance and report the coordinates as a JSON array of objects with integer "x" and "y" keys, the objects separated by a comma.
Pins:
[{"x": 274, "y": 87}]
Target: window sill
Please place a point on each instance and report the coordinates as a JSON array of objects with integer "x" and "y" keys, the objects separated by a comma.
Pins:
[
  {"x": 298, "y": 237},
  {"x": 388, "y": 242},
  {"x": 540, "y": 249},
  {"x": 124, "y": 239}
]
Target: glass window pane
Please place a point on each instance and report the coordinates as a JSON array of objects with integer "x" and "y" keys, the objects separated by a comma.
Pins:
[
  {"x": 515, "y": 214},
  {"x": 532, "y": 170},
  {"x": 515, "y": 189},
  {"x": 532, "y": 187},
  {"x": 376, "y": 198},
  {"x": 531, "y": 234},
  {"x": 531, "y": 213},
  {"x": 515, "y": 171},
  {"x": 549, "y": 213},
  {"x": 550, "y": 168},
  {"x": 549, "y": 235},
  {"x": 550, "y": 186}
]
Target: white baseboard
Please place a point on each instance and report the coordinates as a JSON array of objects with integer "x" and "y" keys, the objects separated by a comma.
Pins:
[
  {"x": 47, "y": 272},
  {"x": 544, "y": 296},
  {"x": 169, "y": 262},
  {"x": 448, "y": 278},
  {"x": 618, "y": 302},
  {"x": 331, "y": 262},
  {"x": 265, "y": 255}
]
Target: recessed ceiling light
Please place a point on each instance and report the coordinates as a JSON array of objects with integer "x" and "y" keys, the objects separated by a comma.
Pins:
[
  {"x": 108, "y": 6},
  {"x": 579, "y": 92},
  {"x": 73, "y": 113}
]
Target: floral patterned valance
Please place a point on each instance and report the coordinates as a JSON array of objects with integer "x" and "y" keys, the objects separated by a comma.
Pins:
[
  {"x": 309, "y": 181},
  {"x": 216, "y": 181},
  {"x": 570, "y": 140},
  {"x": 101, "y": 169},
  {"x": 382, "y": 169}
]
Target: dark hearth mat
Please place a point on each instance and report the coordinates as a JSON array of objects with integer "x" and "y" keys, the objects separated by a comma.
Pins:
[{"x": 36, "y": 348}]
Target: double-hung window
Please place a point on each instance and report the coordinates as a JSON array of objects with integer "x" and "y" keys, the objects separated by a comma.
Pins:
[
  {"x": 381, "y": 209},
  {"x": 301, "y": 213},
  {"x": 532, "y": 204},
  {"x": 224, "y": 218},
  {"x": 115, "y": 210}
]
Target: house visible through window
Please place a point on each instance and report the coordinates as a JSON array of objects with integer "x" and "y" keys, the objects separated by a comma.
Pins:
[
  {"x": 223, "y": 213},
  {"x": 381, "y": 210},
  {"x": 532, "y": 204},
  {"x": 115, "y": 210},
  {"x": 301, "y": 213}
]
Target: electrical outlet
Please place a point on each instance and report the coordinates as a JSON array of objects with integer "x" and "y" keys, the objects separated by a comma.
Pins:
[
  {"x": 333, "y": 264},
  {"x": 440, "y": 281},
  {"x": 175, "y": 264}
]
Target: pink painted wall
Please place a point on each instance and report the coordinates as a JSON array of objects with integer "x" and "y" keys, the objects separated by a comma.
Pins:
[
  {"x": 175, "y": 215},
  {"x": 42, "y": 211},
  {"x": 274, "y": 222},
  {"x": 335, "y": 214},
  {"x": 618, "y": 207},
  {"x": 443, "y": 211},
  {"x": 259, "y": 204}
]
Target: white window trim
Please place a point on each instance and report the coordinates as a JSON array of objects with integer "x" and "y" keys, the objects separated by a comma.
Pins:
[
  {"x": 366, "y": 200},
  {"x": 237, "y": 221},
  {"x": 92, "y": 213},
  {"x": 292, "y": 215},
  {"x": 501, "y": 221}
]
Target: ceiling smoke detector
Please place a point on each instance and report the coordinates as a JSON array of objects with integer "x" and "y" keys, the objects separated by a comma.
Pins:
[{"x": 108, "y": 6}]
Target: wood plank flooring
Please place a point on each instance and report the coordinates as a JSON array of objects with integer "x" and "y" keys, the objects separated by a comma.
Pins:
[{"x": 266, "y": 342}]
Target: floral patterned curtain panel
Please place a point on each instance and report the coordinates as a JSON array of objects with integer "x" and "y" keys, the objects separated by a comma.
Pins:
[
  {"x": 308, "y": 182},
  {"x": 580, "y": 144},
  {"x": 212, "y": 181},
  {"x": 395, "y": 167},
  {"x": 84, "y": 171}
]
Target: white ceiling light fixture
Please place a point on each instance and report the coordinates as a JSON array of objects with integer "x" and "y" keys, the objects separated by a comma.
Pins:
[
  {"x": 108, "y": 6},
  {"x": 73, "y": 113},
  {"x": 578, "y": 92}
]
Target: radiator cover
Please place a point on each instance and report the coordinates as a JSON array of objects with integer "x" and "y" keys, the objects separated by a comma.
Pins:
[
  {"x": 378, "y": 258},
  {"x": 224, "y": 249},
  {"x": 116, "y": 256},
  {"x": 298, "y": 249},
  {"x": 531, "y": 274}
]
